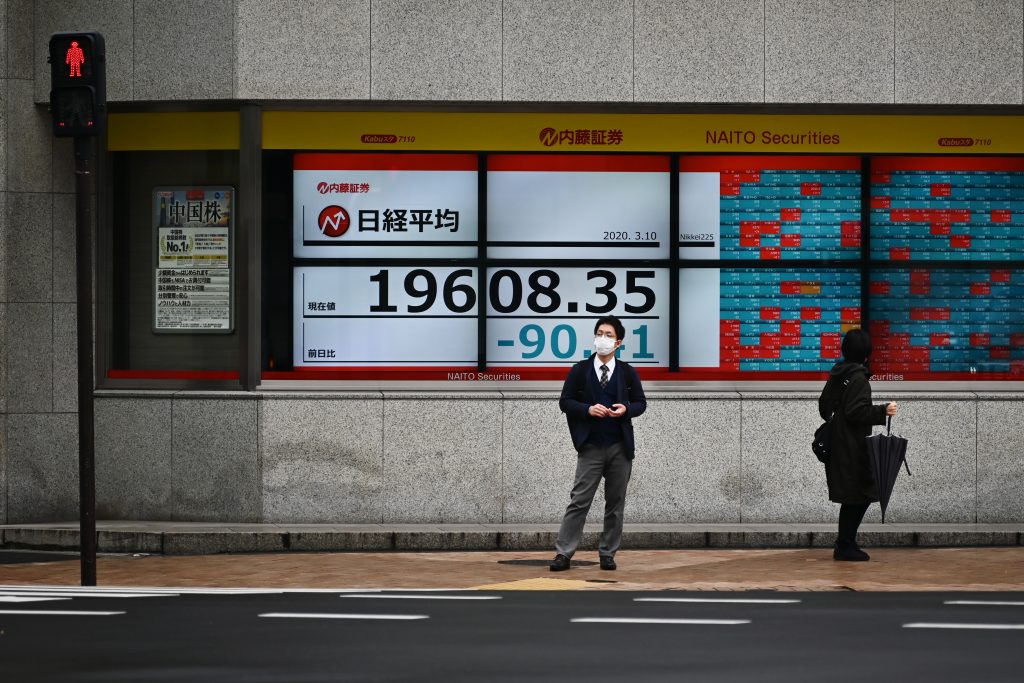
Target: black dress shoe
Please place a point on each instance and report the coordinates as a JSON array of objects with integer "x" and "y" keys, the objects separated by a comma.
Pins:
[
  {"x": 559, "y": 564},
  {"x": 849, "y": 553},
  {"x": 608, "y": 564}
]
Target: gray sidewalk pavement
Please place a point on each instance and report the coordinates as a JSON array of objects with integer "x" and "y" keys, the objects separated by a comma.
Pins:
[{"x": 201, "y": 538}]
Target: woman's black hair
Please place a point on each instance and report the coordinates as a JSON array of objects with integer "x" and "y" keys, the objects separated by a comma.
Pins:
[
  {"x": 856, "y": 346},
  {"x": 620, "y": 331}
]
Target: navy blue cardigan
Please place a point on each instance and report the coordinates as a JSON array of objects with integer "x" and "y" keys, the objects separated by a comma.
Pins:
[{"x": 578, "y": 394}]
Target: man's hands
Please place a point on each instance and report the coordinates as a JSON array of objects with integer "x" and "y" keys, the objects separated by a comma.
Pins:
[{"x": 598, "y": 410}]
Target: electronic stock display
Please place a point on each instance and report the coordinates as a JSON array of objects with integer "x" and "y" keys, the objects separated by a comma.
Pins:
[
  {"x": 611, "y": 208},
  {"x": 947, "y": 208},
  {"x": 572, "y": 237},
  {"x": 940, "y": 323},
  {"x": 784, "y": 322},
  {"x": 787, "y": 321},
  {"x": 770, "y": 208},
  {"x": 948, "y": 324}
]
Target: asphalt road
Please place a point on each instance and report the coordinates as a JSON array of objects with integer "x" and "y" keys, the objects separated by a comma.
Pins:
[
  {"x": 29, "y": 556},
  {"x": 510, "y": 636}
]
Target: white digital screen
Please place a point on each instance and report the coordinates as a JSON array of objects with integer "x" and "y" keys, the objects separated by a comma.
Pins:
[
  {"x": 699, "y": 317},
  {"x": 578, "y": 206},
  {"x": 546, "y": 316},
  {"x": 385, "y": 316},
  {"x": 390, "y": 205}
]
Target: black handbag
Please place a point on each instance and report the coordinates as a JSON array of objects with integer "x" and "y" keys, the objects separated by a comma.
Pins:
[
  {"x": 823, "y": 441},
  {"x": 822, "y": 444}
]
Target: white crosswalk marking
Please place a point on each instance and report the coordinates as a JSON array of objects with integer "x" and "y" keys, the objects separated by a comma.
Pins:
[
  {"x": 20, "y": 598},
  {"x": 985, "y": 602}
]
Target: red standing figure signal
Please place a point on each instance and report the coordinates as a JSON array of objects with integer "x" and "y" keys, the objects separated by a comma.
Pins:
[
  {"x": 75, "y": 58},
  {"x": 78, "y": 84}
]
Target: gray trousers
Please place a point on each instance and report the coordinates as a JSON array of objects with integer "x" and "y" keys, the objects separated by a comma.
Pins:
[{"x": 593, "y": 463}]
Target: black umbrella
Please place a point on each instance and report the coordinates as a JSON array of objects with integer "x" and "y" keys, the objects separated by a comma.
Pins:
[{"x": 886, "y": 453}]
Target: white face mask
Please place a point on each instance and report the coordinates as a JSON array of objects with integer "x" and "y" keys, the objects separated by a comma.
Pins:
[{"x": 603, "y": 345}]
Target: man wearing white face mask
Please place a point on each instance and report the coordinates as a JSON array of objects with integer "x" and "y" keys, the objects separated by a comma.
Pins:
[{"x": 600, "y": 398}]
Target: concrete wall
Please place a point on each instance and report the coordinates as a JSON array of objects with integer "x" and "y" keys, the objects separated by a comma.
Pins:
[
  {"x": 814, "y": 51},
  {"x": 619, "y": 51},
  {"x": 38, "y": 411},
  {"x": 505, "y": 457}
]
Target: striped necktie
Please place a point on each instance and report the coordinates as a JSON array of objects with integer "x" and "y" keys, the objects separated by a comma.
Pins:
[{"x": 604, "y": 376}]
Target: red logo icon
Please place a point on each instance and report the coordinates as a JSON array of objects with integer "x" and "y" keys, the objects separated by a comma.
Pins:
[
  {"x": 333, "y": 221},
  {"x": 549, "y": 136}
]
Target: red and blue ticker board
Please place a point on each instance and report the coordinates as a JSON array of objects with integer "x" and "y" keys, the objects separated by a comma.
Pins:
[
  {"x": 948, "y": 323},
  {"x": 780, "y": 323},
  {"x": 947, "y": 208},
  {"x": 770, "y": 208}
]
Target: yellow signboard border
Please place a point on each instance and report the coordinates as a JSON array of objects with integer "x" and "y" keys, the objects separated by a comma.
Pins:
[
  {"x": 644, "y": 132},
  {"x": 129, "y": 132},
  {"x": 577, "y": 132}
]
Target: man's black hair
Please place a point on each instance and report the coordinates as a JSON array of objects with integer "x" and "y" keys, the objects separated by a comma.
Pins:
[
  {"x": 620, "y": 331},
  {"x": 856, "y": 346}
]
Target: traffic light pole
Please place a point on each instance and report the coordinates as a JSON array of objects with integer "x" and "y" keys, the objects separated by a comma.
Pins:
[
  {"x": 78, "y": 107},
  {"x": 85, "y": 193}
]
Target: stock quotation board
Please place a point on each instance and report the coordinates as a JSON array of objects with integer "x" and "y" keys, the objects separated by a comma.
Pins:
[
  {"x": 947, "y": 209},
  {"x": 572, "y": 237},
  {"x": 788, "y": 322},
  {"x": 770, "y": 208},
  {"x": 947, "y": 324},
  {"x": 399, "y": 317}
]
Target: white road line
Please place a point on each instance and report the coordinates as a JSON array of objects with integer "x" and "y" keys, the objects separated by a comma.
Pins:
[
  {"x": 719, "y": 600},
  {"x": 58, "y": 613},
  {"x": 984, "y": 627},
  {"x": 84, "y": 594},
  {"x": 126, "y": 590},
  {"x": 193, "y": 590},
  {"x": 618, "y": 620},
  {"x": 399, "y": 590},
  {"x": 103, "y": 590},
  {"x": 380, "y": 596},
  {"x": 984, "y": 602},
  {"x": 22, "y": 598},
  {"x": 310, "y": 615}
]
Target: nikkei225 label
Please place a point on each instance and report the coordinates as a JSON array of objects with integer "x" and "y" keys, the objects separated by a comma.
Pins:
[{"x": 546, "y": 316}]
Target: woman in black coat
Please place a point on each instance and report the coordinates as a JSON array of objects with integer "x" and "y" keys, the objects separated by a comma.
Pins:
[{"x": 850, "y": 483}]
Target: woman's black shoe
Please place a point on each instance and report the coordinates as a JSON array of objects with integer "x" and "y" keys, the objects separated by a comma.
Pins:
[{"x": 849, "y": 553}]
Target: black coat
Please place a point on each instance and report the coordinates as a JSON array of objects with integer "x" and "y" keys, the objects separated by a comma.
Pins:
[
  {"x": 579, "y": 393},
  {"x": 848, "y": 473}
]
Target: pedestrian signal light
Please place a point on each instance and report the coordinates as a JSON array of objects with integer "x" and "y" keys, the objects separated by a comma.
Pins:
[{"x": 78, "y": 84}]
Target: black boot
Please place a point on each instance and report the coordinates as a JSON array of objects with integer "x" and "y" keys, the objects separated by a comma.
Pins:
[{"x": 845, "y": 551}]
